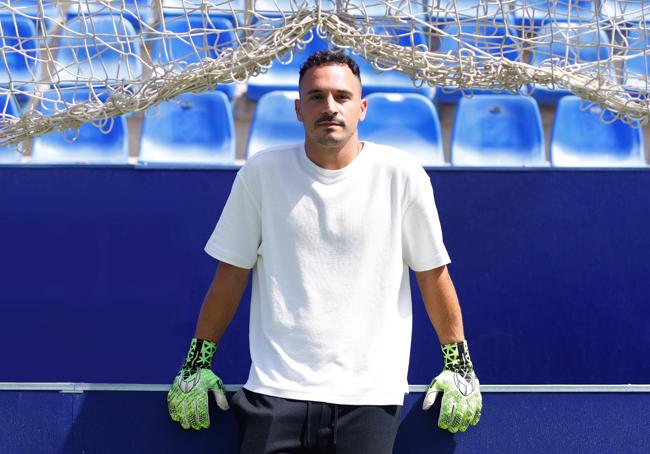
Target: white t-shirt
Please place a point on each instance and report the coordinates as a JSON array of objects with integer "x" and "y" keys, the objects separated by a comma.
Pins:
[{"x": 330, "y": 250}]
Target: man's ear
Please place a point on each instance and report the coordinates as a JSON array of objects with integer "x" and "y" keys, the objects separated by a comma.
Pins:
[
  {"x": 364, "y": 108},
  {"x": 298, "y": 112}
]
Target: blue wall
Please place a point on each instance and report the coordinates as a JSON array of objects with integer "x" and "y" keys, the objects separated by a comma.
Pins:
[
  {"x": 137, "y": 422},
  {"x": 103, "y": 273}
]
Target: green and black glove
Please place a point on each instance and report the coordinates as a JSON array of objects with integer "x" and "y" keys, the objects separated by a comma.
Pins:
[
  {"x": 461, "y": 399},
  {"x": 188, "y": 397}
]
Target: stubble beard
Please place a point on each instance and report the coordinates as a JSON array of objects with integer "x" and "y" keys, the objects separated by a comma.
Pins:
[
  {"x": 329, "y": 140},
  {"x": 334, "y": 139}
]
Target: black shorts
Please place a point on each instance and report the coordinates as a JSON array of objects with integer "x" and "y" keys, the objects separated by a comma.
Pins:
[{"x": 274, "y": 425}]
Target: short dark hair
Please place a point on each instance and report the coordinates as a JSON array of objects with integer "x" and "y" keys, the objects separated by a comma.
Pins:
[{"x": 325, "y": 57}]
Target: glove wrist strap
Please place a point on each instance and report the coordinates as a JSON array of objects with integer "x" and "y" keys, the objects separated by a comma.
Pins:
[
  {"x": 200, "y": 355},
  {"x": 456, "y": 357}
]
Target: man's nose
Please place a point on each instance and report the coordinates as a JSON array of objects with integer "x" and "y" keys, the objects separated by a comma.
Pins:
[{"x": 330, "y": 105}]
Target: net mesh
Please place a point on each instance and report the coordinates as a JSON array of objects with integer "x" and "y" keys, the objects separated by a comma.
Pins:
[{"x": 67, "y": 63}]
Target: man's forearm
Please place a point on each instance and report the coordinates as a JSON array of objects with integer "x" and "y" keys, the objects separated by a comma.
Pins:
[
  {"x": 221, "y": 301},
  {"x": 442, "y": 304}
]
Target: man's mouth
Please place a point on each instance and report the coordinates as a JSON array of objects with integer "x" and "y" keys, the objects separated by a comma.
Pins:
[{"x": 329, "y": 123}]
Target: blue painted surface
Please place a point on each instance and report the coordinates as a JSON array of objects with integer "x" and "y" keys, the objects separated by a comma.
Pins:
[
  {"x": 489, "y": 38},
  {"x": 480, "y": 38},
  {"x": 498, "y": 130},
  {"x": 105, "y": 142},
  {"x": 536, "y": 12},
  {"x": 137, "y": 422},
  {"x": 136, "y": 12},
  {"x": 103, "y": 274},
  {"x": 405, "y": 120},
  {"x": 570, "y": 43},
  {"x": 20, "y": 54},
  {"x": 35, "y": 422},
  {"x": 274, "y": 122},
  {"x": 191, "y": 130},
  {"x": 584, "y": 136},
  {"x": 82, "y": 57},
  {"x": 448, "y": 11},
  {"x": 629, "y": 10},
  {"x": 636, "y": 69},
  {"x": 201, "y": 8},
  {"x": 30, "y": 9},
  {"x": 283, "y": 74},
  {"x": 8, "y": 108},
  {"x": 357, "y": 8},
  {"x": 192, "y": 39},
  {"x": 375, "y": 81}
]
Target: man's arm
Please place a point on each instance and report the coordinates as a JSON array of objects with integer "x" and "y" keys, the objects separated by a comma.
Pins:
[
  {"x": 441, "y": 302},
  {"x": 461, "y": 402},
  {"x": 187, "y": 399},
  {"x": 221, "y": 301}
]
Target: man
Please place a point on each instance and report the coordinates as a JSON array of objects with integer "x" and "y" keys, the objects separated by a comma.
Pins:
[{"x": 330, "y": 228}]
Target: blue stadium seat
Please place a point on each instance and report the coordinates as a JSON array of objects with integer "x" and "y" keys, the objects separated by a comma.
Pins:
[
  {"x": 453, "y": 10},
  {"x": 92, "y": 146},
  {"x": 30, "y": 9},
  {"x": 492, "y": 37},
  {"x": 385, "y": 8},
  {"x": 353, "y": 7},
  {"x": 536, "y": 12},
  {"x": 274, "y": 122},
  {"x": 624, "y": 10},
  {"x": 287, "y": 6},
  {"x": 498, "y": 130},
  {"x": 218, "y": 8},
  {"x": 18, "y": 65},
  {"x": 407, "y": 121},
  {"x": 196, "y": 130},
  {"x": 195, "y": 44},
  {"x": 135, "y": 11},
  {"x": 86, "y": 8},
  {"x": 637, "y": 68},
  {"x": 8, "y": 108},
  {"x": 374, "y": 81},
  {"x": 284, "y": 77},
  {"x": 92, "y": 50},
  {"x": 139, "y": 11},
  {"x": 581, "y": 139},
  {"x": 572, "y": 43}
]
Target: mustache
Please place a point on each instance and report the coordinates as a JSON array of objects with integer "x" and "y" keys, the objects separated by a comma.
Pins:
[{"x": 329, "y": 119}]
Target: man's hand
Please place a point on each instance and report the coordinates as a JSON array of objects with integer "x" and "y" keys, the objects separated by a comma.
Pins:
[
  {"x": 461, "y": 399},
  {"x": 187, "y": 399}
]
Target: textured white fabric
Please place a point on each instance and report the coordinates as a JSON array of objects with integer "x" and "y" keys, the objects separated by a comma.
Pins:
[{"x": 331, "y": 304}]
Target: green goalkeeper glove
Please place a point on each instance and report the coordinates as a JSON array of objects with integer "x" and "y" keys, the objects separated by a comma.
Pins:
[
  {"x": 461, "y": 399},
  {"x": 187, "y": 399}
]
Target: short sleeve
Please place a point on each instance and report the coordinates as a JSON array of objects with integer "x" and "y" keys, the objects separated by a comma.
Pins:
[
  {"x": 422, "y": 245},
  {"x": 237, "y": 236}
]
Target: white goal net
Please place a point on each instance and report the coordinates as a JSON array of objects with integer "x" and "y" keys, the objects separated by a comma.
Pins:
[{"x": 128, "y": 56}]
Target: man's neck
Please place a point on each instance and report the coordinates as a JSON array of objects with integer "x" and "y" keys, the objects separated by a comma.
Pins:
[{"x": 333, "y": 158}]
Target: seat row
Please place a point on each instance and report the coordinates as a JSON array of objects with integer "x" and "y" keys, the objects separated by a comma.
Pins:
[
  {"x": 81, "y": 59},
  {"x": 519, "y": 10},
  {"x": 488, "y": 131}
]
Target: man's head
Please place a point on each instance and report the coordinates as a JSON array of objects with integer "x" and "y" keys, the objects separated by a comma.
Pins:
[
  {"x": 330, "y": 105},
  {"x": 328, "y": 57}
]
